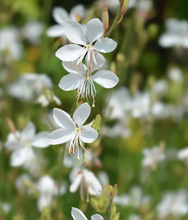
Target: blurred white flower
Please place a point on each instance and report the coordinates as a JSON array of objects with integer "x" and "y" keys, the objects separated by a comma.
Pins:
[
  {"x": 61, "y": 16},
  {"x": 160, "y": 87},
  {"x": 48, "y": 188},
  {"x": 173, "y": 204},
  {"x": 103, "y": 178},
  {"x": 5, "y": 206},
  {"x": 21, "y": 144},
  {"x": 176, "y": 34},
  {"x": 91, "y": 41},
  {"x": 73, "y": 131},
  {"x": 48, "y": 97},
  {"x": 183, "y": 155},
  {"x": 175, "y": 74},
  {"x": 29, "y": 84},
  {"x": 87, "y": 181},
  {"x": 153, "y": 156},
  {"x": 21, "y": 187},
  {"x": 10, "y": 45},
  {"x": 81, "y": 79},
  {"x": 79, "y": 215},
  {"x": 134, "y": 217},
  {"x": 32, "y": 31},
  {"x": 134, "y": 198}
]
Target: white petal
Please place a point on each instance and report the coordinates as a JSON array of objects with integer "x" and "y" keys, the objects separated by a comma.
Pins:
[
  {"x": 28, "y": 132},
  {"x": 72, "y": 67},
  {"x": 97, "y": 217},
  {"x": 94, "y": 30},
  {"x": 63, "y": 119},
  {"x": 40, "y": 140},
  {"x": 75, "y": 184},
  {"x": 59, "y": 136},
  {"x": 77, "y": 214},
  {"x": 13, "y": 145},
  {"x": 20, "y": 156},
  {"x": 55, "y": 31},
  {"x": 100, "y": 60},
  {"x": 75, "y": 32},
  {"x": 168, "y": 40},
  {"x": 60, "y": 15},
  {"x": 88, "y": 134},
  {"x": 105, "y": 45},
  {"x": 78, "y": 10},
  {"x": 81, "y": 114},
  {"x": 105, "y": 78},
  {"x": 69, "y": 52},
  {"x": 70, "y": 82}
]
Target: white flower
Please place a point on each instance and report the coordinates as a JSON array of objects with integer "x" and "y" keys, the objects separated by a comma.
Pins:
[
  {"x": 152, "y": 156},
  {"x": 81, "y": 79},
  {"x": 21, "y": 144},
  {"x": 160, "y": 87},
  {"x": 21, "y": 187},
  {"x": 29, "y": 84},
  {"x": 61, "y": 16},
  {"x": 176, "y": 34},
  {"x": 183, "y": 155},
  {"x": 87, "y": 181},
  {"x": 73, "y": 131},
  {"x": 32, "y": 31},
  {"x": 78, "y": 215},
  {"x": 174, "y": 204},
  {"x": 5, "y": 206},
  {"x": 48, "y": 97},
  {"x": 91, "y": 43},
  {"x": 134, "y": 217},
  {"x": 48, "y": 188},
  {"x": 9, "y": 43},
  {"x": 175, "y": 74}
]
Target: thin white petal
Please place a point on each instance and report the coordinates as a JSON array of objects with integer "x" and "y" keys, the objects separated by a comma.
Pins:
[
  {"x": 78, "y": 10},
  {"x": 55, "y": 31},
  {"x": 20, "y": 156},
  {"x": 75, "y": 32},
  {"x": 77, "y": 214},
  {"x": 75, "y": 184},
  {"x": 94, "y": 30},
  {"x": 97, "y": 217},
  {"x": 88, "y": 134},
  {"x": 13, "y": 145},
  {"x": 69, "y": 52},
  {"x": 28, "y": 132},
  {"x": 40, "y": 140},
  {"x": 72, "y": 67},
  {"x": 100, "y": 60},
  {"x": 105, "y": 45},
  {"x": 63, "y": 119},
  {"x": 105, "y": 78},
  {"x": 81, "y": 114},
  {"x": 70, "y": 82},
  {"x": 59, "y": 136},
  {"x": 60, "y": 15}
]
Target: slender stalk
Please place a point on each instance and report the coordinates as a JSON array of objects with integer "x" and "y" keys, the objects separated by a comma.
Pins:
[{"x": 83, "y": 158}]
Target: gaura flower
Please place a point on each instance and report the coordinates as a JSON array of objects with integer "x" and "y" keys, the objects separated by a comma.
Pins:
[
  {"x": 48, "y": 188},
  {"x": 78, "y": 215},
  {"x": 91, "y": 43},
  {"x": 61, "y": 16},
  {"x": 82, "y": 79},
  {"x": 153, "y": 156},
  {"x": 21, "y": 144},
  {"x": 73, "y": 130},
  {"x": 87, "y": 181},
  {"x": 173, "y": 204},
  {"x": 183, "y": 155},
  {"x": 175, "y": 35}
]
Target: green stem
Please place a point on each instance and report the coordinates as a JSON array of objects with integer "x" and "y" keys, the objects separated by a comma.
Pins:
[{"x": 109, "y": 210}]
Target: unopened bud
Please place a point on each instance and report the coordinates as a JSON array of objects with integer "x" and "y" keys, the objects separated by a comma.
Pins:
[
  {"x": 11, "y": 125},
  {"x": 124, "y": 6},
  {"x": 105, "y": 17},
  {"x": 113, "y": 193}
]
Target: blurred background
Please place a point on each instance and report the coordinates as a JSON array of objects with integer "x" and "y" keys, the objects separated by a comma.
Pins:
[{"x": 142, "y": 146}]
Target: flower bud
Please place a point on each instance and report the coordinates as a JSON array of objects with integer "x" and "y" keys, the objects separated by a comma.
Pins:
[
  {"x": 124, "y": 6},
  {"x": 105, "y": 17},
  {"x": 113, "y": 193}
]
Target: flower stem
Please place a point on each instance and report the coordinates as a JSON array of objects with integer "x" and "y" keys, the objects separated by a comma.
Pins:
[{"x": 118, "y": 17}]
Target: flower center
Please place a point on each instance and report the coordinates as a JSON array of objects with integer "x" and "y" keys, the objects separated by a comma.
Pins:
[
  {"x": 27, "y": 144},
  {"x": 78, "y": 130},
  {"x": 89, "y": 46}
]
